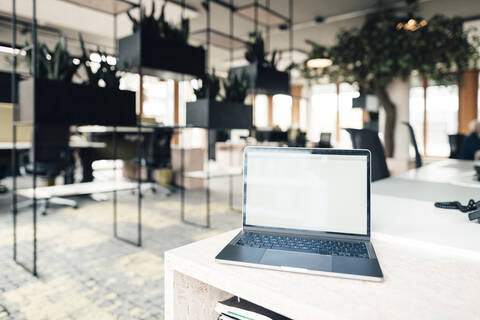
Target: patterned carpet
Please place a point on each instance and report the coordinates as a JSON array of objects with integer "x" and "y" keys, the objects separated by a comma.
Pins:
[{"x": 84, "y": 272}]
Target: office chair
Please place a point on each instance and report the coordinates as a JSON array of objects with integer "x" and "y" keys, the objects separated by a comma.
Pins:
[
  {"x": 53, "y": 157},
  {"x": 325, "y": 140},
  {"x": 159, "y": 155},
  {"x": 3, "y": 174},
  {"x": 418, "y": 157},
  {"x": 368, "y": 139},
  {"x": 455, "y": 141}
]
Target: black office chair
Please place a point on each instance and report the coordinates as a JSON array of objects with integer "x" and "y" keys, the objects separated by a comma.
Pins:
[
  {"x": 325, "y": 140},
  {"x": 3, "y": 174},
  {"x": 418, "y": 157},
  {"x": 455, "y": 141},
  {"x": 368, "y": 139},
  {"x": 53, "y": 157},
  {"x": 159, "y": 154}
]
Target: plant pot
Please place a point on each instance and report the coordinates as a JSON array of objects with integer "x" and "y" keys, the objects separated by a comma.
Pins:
[
  {"x": 6, "y": 86},
  {"x": 205, "y": 113},
  {"x": 163, "y": 58},
  {"x": 265, "y": 80},
  {"x": 58, "y": 102}
]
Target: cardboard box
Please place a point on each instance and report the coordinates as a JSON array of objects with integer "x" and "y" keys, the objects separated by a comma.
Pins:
[{"x": 24, "y": 132}]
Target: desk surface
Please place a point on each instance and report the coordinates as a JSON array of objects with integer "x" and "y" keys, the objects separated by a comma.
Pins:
[
  {"x": 445, "y": 180},
  {"x": 76, "y": 144},
  {"x": 430, "y": 259},
  {"x": 419, "y": 282}
]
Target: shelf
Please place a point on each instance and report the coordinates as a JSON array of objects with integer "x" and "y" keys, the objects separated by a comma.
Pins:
[
  {"x": 266, "y": 17},
  {"x": 218, "y": 39},
  {"x": 106, "y": 6}
]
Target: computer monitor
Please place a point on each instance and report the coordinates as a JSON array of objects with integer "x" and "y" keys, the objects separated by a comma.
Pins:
[{"x": 318, "y": 190}]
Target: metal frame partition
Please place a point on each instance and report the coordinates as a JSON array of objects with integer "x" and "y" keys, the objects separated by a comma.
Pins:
[{"x": 14, "y": 167}]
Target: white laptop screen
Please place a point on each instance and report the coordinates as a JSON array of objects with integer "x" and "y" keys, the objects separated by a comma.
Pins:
[{"x": 305, "y": 191}]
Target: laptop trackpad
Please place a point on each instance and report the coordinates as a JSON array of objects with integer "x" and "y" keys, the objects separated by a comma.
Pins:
[{"x": 297, "y": 260}]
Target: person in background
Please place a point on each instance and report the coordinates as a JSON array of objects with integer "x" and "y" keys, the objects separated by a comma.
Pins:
[{"x": 471, "y": 144}]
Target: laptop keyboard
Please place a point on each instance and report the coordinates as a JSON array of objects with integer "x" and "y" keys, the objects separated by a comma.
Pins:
[{"x": 302, "y": 244}]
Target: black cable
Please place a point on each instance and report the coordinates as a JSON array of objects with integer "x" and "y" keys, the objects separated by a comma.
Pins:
[{"x": 472, "y": 208}]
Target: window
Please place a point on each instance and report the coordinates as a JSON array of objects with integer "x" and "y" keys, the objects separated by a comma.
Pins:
[
  {"x": 325, "y": 105},
  {"x": 442, "y": 117},
  {"x": 416, "y": 112},
  {"x": 348, "y": 117},
  {"x": 282, "y": 111},
  {"x": 261, "y": 111},
  {"x": 323, "y": 111}
]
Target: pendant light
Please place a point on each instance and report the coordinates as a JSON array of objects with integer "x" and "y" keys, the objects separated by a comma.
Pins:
[
  {"x": 411, "y": 23},
  {"x": 318, "y": 57}
]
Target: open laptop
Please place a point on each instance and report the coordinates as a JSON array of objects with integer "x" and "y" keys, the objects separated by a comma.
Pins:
[{"x": 306, "y": 210}]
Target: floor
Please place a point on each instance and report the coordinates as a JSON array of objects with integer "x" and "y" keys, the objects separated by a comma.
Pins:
[{"x": 84, "y": 272}]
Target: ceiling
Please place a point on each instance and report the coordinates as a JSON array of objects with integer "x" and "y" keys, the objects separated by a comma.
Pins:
[{"x": 98, "y": 27}]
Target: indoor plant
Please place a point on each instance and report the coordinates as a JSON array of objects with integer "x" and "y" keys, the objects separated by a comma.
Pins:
[
  {"x": 377, "y": 53},
  {"x": 262, "y": 73},
  {"x": 157, "y": 46},
  {"x": 229, "y": 113},
  {"x": 52, "y": 97}
]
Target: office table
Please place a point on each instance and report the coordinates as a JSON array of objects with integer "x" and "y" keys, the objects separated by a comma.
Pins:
[
  {"x": 430, "y": 258},
  {"x": 74, "y": 144},
  {"x": 420, "y": 282},
  {"x": 445, "y": 180}
]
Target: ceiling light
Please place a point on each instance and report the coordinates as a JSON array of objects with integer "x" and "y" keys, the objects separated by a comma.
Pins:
[
  {"x": 76, "y": 61},
  {"x": 412, "y": 24},
  {"x": 319, "y": 63}
]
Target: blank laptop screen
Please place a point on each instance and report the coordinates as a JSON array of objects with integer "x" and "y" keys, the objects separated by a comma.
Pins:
[{"x": 305, "y": 191}]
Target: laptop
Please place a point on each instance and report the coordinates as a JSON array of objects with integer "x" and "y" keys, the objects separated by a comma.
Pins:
[{"x": 306, "y": 210}]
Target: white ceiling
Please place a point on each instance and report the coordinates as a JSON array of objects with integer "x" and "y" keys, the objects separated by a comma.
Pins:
[{"x": 98, "y": 27}]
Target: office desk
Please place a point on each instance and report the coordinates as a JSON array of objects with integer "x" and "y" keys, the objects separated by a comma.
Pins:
[
  {"x": 421, "y": 282},
  {"x": 74, "y": 144},
  {"x": 445, "y": 180},
  {"x": 430, "y": 258}
]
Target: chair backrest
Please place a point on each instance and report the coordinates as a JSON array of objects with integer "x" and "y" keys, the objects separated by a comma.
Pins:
[
  {"x": 418, "y": 157},
  {"x": 51, "y": 143},
  {"x": 160, "y": 153},
  {"x": 325, "y": 140},
  {"x": 455, "y": 141},
  {"x": 368, "y": 139}
]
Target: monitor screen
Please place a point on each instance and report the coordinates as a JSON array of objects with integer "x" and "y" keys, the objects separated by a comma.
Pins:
[{"x": 306, "y": 191}]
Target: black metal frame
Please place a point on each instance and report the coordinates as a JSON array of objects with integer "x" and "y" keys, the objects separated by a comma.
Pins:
[{"x": 14, "y": 94}]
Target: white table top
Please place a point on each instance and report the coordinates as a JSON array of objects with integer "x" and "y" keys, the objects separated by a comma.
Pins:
[
  {"x": 78, "y": 144},
  {"x": 83, "y": 188},
  {"x": 430, "y": 258},
  {"x": 445, "y": 180},
  {"x": 419, "y": 282},
  {"x": 99, "y": 129}
]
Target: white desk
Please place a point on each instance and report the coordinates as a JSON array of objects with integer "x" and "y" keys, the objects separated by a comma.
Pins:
[
  {"x": 430, "y": 259},
  {"x": 446, "y": 180},
  {"x": 74, "y": 144},
  {"x": 419, "y": 283}
]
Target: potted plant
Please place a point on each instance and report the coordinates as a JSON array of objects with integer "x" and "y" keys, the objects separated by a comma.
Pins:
[
  {"x": 221, "y": 112},
  {"x": 60, "y": 101},
  {"x": 160, "y": 48},
  {"x": 262, "y": 73}
]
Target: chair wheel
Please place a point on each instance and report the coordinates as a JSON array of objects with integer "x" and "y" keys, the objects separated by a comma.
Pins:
[
  {"x": 44, "y": 213},
  {"x": 75, "y": 207}
]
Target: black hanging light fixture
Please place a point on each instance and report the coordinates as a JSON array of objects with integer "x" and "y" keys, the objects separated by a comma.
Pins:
[{"x": 411, "y": 22}]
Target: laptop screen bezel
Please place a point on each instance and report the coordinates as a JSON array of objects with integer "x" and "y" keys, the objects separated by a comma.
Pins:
[{"x": 353, "y": 152}]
